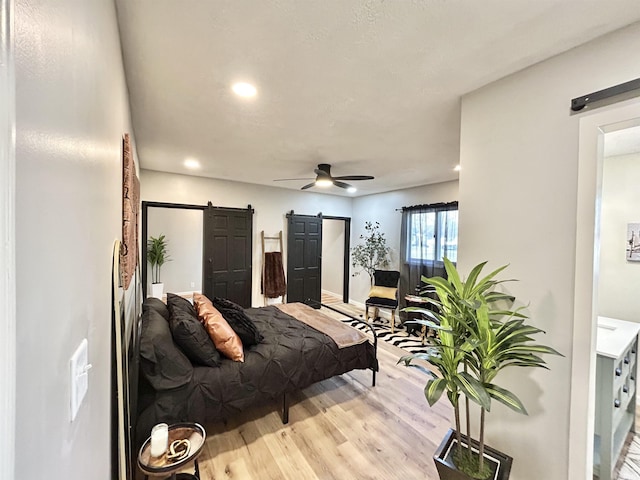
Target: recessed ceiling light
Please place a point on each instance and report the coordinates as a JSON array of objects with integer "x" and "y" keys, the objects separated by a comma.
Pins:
[
  {"x": 191, "y": 163},
  {"x": 352, "y": 189},
  {"x": 243, "y": 89},
  {"x": 456, "y": 168},
  {"x": 323, "y": 182}
]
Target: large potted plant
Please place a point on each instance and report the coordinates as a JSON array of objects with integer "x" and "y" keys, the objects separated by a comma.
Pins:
[
  {"x": 157, "y": 256},
  {"x": 373, "y": 254},
  {"x": 477, "y": 337}
]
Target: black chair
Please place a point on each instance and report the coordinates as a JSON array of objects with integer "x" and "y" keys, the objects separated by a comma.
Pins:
[{"x": 388, "y": 279}]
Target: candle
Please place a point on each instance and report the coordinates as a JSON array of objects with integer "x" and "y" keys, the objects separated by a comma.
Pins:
[{"x": 159, "y": 439}]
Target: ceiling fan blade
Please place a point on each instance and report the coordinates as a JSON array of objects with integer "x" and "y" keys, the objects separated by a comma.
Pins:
[
  {"x": 340, "y": 184},
  {"x": 287, "y": 179},
  {"x": 308, "y": 186},
  {"x": 354, "y": 177}
]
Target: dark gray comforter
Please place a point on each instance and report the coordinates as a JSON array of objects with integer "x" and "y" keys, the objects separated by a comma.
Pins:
[{"x": 292, "y": 356}]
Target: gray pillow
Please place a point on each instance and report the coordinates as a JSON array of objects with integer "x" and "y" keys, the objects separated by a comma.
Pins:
[
  {"x": 192, "y": 338},
  {"x": 176, "y": 301},
  {"x": 157, "y": 305},
  {"x": 161, "y": 361}
]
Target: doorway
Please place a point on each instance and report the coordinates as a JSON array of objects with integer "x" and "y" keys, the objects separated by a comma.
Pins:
[
  {"x": 209, "y": 249},
  {"x": 336, "y": 234},
  {"x": 313, "y": 261},
  {"x": 588, "y": 236}
]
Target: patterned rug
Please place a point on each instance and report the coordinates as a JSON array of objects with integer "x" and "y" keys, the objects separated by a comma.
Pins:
[
  {"x": 400, "y": 337},
  {"x": 630, "y": 469}
]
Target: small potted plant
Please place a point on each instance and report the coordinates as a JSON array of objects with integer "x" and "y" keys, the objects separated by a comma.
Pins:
[
  {"x": 157, "y": 256},
  {"x": 476, "y": 338},
  {"x": 373, "y": 254}
]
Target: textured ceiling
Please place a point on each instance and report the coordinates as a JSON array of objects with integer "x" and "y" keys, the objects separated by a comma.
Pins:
[
  {"x": 622, "y": 142},
  {"x": 370, "y": 87}
]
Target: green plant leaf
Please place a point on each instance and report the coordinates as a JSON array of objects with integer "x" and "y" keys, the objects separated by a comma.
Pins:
[
  {"x": 473, "y": 276},
  {"x": 441, "y": 284},
  {"x": 533, "y": 348},
  {"x": 434, "y": 389},
  {"x": 452, "y": 275},
  {"x": 473, "y": 390},
  {"x": 506, "y": 398}
]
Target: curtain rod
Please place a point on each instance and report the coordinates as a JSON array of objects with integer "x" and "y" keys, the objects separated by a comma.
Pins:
[{"x": 430, "y": 205}]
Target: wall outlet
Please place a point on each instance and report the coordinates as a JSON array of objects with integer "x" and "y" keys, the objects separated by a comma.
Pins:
[
  {"x": 79, "y": 370},
  {"x": 193, "y": 284}
]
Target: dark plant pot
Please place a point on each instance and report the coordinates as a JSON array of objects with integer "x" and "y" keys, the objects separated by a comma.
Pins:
[{"x": 499, "y": 462}]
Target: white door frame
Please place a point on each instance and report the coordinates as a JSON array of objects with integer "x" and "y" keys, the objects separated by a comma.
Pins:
[
  {"x": 7, "y": 243},
  {"x": 590, "y": 158}
]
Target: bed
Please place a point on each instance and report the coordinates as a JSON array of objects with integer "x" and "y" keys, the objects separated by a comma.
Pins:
[{"x": 291, "y": 356}]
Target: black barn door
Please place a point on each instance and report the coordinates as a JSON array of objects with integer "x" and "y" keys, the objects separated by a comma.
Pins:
[
  {"x": 227, "y": 254},
  {"x": 304, "y": 258}
]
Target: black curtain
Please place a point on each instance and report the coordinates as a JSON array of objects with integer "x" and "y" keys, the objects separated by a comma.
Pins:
[{"x": 429, "y": 233}]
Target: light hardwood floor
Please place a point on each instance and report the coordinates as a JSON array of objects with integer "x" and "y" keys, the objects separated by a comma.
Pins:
[{"x": 341, "y": 428}]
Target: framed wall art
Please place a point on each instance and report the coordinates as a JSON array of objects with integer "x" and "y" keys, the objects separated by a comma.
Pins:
[
  {"x": 130, "y": 209},
  {"x": 633, "y": 242}
]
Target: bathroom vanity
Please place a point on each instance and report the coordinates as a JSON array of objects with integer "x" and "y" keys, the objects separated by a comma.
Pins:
[{"x": 616, "y": 369}]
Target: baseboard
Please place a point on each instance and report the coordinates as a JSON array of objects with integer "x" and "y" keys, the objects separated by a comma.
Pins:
[{"x": 328, "y": 292}]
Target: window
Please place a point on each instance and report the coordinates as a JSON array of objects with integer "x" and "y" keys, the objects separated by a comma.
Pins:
[{"x": 432, "y": 234}]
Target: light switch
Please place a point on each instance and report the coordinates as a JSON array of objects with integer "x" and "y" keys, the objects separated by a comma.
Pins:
[{"x": 79, "y": 377}]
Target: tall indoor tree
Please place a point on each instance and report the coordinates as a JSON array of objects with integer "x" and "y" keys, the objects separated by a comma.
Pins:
[{"x": 373, "y": 254}]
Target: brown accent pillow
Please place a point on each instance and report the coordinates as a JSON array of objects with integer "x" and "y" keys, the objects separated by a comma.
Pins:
[{"x": 223, "y": 336}]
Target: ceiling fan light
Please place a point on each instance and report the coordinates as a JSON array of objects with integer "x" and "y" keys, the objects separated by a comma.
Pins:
[
  {"x": 324, "y": 182},
  {"x": 243, "y": 89}
]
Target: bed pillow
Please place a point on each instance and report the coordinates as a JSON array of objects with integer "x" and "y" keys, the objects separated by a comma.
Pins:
[
  {"x": 192, "y": 338},
  {"x": 157, "y": 305},
  {"x": 238, "y": 320},
  {"x": 182, "y": 303},
  {"x": 224, "y": 338},
  {"x": 383, "y": 292},
  {"x": 162, "y": 363}
]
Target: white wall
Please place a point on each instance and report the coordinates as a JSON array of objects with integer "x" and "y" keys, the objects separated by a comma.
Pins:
[
  {"x": 7, "y": 249},
  {"x": 619, "y": 279},
  {"x": 333, "y": 256},
  {"x": 183, "y": 232},
  {"x": 382, "y": 208},
  {"x": 271, "y": 205},
  {"x": 71, "y": 112},
  {"x": 518, "y": 187}
]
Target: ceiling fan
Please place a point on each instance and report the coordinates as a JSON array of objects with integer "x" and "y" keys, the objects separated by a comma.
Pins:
[{"x": 325, "y": 179}]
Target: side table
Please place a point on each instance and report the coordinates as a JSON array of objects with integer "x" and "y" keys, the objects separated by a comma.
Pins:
[
  {"x": 160, "y": 466},
  {"x": 416, "y": 301}
]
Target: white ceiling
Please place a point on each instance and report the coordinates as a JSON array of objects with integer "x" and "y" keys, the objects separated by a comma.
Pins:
[
  {"x": 370, "y": 87},
  {"x": 622, "y": 142}
]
